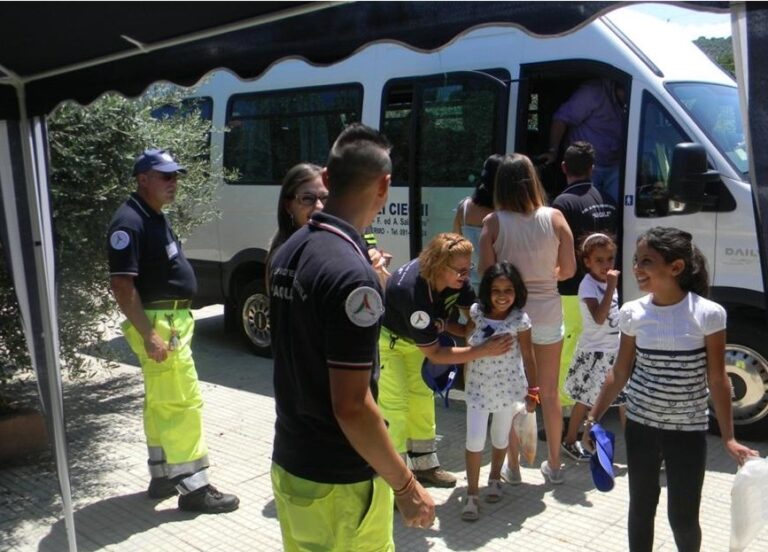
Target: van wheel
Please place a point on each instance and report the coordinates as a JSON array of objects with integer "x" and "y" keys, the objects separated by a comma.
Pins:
[
  {"x": 745, "y": 361},
  {"x": 253, "y": 309}
]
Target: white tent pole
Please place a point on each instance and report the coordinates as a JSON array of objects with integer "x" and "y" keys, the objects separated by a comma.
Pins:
[{"x": 36, "y": 180}]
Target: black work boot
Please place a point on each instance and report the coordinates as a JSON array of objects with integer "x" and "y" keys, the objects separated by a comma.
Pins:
[
  {"x": 208, "y": 500},
  {"x": 161, "y": 487}
]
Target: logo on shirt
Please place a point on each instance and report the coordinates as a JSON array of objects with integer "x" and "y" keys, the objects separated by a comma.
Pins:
[
  {"x": 420, "y": 320},
  {"x": 364, "y": 306},
  {"x": 119, "y": 240}
]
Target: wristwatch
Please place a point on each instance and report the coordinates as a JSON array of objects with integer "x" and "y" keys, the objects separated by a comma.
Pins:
[{"x": 589, "y": 422}]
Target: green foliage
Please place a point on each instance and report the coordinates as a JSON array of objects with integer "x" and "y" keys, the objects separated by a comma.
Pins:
[
  {"x": 92, "y": 150},
  {"x": 719, "y": 50}
]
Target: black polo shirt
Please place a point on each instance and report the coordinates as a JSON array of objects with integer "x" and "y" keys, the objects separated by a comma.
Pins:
[
  {"x": 585, "y": 211},
  {"x": 140, "y": 243},
  {"x": 411, "y": 307},
  {"x": 325, "y": 308}
]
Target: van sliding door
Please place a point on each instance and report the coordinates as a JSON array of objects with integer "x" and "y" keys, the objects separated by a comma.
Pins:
[{"x": 442, "y": 129}]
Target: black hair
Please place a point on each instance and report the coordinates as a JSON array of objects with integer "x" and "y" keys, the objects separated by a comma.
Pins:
[
  {"x": 359, "y": 155},
  {"x": 579, "y": 158},
  {"x": 592, "y": 240},
  {"x": 507, "y": 269},
  {"x": 483, "y": 194},
  {"x": 673, "y": 244}
]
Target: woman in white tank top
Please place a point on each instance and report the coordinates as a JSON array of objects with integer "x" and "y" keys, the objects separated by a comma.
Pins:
[{"x": 537, "y": 240}]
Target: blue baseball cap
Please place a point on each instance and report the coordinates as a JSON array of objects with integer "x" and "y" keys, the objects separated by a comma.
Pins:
[
  {"x": 440, "y": 378},
  {"x": 601, "y": 462},
  {"x": 156, "y": 160}
]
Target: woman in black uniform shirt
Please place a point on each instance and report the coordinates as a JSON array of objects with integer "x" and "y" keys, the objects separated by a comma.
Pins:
[{"x": 419, "y": 299}]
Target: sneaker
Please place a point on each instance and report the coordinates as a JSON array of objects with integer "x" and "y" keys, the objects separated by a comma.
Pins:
[
  {"x": 471, "y": 510},
  {"x": 554, "y": 476},
  {"x": 575, "y": 451},
  {"x": 494, "y": 492},
  {"x": 511, "y": 476},
  {"x": 435, "y": 477},
  {"x": 161, "y": 487},
  {"x": 208, "y": 500}
]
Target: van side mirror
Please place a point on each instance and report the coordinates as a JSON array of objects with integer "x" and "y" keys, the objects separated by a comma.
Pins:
[{"x": 688, "y": 177}]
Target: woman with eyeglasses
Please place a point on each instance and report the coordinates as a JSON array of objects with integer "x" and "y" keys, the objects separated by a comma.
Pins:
[
  {"x": 301, "y": 194},
  {"x": 419, "y": 300},
  {"x": 537, "y": 240}
]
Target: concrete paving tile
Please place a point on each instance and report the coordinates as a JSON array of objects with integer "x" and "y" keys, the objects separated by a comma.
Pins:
[{"x": 109, "y": 478}]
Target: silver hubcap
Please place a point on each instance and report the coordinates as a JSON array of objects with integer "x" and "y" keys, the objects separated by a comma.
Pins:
[
  {"x": 256, "y": 319},
  {"x": 748, "y": 372}
]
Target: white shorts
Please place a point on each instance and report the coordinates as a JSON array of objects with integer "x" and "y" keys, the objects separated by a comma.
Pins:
[{"x": 547, "y": 334}]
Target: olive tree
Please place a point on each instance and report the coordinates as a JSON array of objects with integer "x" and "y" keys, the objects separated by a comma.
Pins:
[{"x": 92, "y": 150}]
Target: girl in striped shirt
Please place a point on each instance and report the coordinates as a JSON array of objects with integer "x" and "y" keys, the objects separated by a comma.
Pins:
[{"x": 671, "y": 357}]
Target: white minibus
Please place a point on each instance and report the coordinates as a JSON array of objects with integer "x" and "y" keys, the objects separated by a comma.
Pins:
[{"x": 493, "y": 89}]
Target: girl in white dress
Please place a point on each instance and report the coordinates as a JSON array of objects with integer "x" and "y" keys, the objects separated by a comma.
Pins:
[
  {"x": 492, "y": 385},
  {"x": 599, "y": 341}
]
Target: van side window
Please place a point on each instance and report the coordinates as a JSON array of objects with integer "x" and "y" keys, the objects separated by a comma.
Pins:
[
  {"x": 456, "y": 128},
  {"x": 659, "y": 134},
  {"x": 269, "y": 132}
]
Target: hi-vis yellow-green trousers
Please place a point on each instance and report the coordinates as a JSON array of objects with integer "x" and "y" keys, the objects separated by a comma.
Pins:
[
  {"x": 173, "y": 405},
  {"x": 318, "y": 517},
  {"x": 406, "y": 402},
  {"x": 573, "y": 327}
]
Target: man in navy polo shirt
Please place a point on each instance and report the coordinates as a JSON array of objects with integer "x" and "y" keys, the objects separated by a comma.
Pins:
[
  {"x": 333, "y": 463},
  {"x": 154, "y": 283}
]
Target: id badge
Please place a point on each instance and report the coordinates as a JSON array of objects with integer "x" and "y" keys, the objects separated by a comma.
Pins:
[{"x": 172, "y": 250}]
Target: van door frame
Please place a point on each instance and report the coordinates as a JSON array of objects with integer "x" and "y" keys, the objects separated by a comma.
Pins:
[
  {"x": 572, "y": 68},
  {"x": 501, "y": 82}
]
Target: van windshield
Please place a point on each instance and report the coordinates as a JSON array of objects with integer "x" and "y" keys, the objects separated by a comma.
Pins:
[{"x": 715, "y": 108}]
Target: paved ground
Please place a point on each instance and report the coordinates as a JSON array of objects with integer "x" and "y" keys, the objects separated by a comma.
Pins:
[{"x": 109, "y": 477}]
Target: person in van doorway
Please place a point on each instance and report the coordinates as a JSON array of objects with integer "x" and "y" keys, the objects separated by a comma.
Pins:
[
  {"x": 594, "y": 113},
  {"x": 472, "y": 210},
  {"x": 586, "y": 211},
  {"x": 333, "y": 465},
  {"x": 672, "y": 354},
  {"x": 537, "y": 240},
  {"x": 301, "y": 194},
  {"x": 419, "y": 301},
  {"x": 153, "y": 284}
]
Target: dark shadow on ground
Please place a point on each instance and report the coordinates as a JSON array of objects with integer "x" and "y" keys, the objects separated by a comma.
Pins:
[
  {"x": 96, "y": 527},
  {"x": 497, "y": 520}
]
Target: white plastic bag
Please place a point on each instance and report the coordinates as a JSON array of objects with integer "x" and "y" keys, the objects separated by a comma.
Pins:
[
  {"x": 749, "y": 502},
  {"x": 524, "y": 424}
]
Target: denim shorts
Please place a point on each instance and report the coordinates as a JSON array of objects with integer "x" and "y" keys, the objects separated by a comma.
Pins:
[{"x": 547, "y": 334}]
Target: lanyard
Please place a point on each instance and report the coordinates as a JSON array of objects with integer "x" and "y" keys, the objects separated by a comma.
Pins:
[{"x": 340, "y": 233}]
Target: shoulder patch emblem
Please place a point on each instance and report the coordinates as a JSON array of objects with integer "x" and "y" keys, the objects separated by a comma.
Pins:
[
  {"x": 420, "y": 320},
  {"x": 120, "y": 239},
  {"x": 364, "y": 306}
]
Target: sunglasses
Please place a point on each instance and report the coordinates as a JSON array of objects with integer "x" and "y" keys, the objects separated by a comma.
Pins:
[
  {"x": 461, "y": 273},
  {"x": 311, "y": 199}
]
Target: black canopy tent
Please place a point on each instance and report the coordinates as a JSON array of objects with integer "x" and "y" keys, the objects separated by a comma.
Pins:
[{"x": 52, "y": 52}]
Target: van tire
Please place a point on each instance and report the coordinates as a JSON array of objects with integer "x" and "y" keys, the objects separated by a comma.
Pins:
[
  {"x": 746, "y": 361},
  {"x": 253, "y": 317}
]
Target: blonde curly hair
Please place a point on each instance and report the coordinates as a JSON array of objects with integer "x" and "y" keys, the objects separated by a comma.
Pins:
[{"x": 439, "y": 252}]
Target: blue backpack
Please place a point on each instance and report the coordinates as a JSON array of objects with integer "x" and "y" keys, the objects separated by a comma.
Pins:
[{"x": 440, "y": 378}]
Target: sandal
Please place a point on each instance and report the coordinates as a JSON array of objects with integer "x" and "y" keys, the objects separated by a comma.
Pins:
[
  {"x": 470, "y": 512},
  {"x": 495, "y": 491}
]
